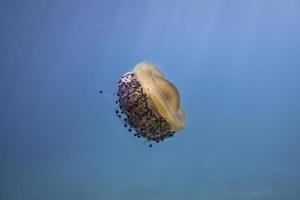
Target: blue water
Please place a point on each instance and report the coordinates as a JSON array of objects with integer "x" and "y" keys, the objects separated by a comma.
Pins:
[{"x": 235, "y": 63}]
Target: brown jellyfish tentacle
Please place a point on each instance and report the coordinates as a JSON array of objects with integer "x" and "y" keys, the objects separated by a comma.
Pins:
[{"x": 137, "y": 107}]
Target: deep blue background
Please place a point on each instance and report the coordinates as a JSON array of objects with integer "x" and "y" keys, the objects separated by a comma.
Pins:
[{"x": 235, "y": 63}]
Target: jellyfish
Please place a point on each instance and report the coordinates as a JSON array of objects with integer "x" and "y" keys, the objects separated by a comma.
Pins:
[{"x": 149, "y": 103}]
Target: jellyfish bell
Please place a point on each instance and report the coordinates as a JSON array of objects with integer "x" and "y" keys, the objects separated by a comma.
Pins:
[
  {"x": 150, "y": 103},
  {"x": 163, "y": 94}
]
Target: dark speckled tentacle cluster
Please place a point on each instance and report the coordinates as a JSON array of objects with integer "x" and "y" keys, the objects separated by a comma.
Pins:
[{"x": 134, "y": 103}]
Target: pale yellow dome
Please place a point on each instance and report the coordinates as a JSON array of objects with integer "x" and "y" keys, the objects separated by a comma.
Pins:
[{"x": 163, "y": 95}]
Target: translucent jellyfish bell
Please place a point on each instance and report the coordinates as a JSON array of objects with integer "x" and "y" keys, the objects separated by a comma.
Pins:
[
  {"x": 163, "y": 94},
  {"x": 150, "y": 102}
]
